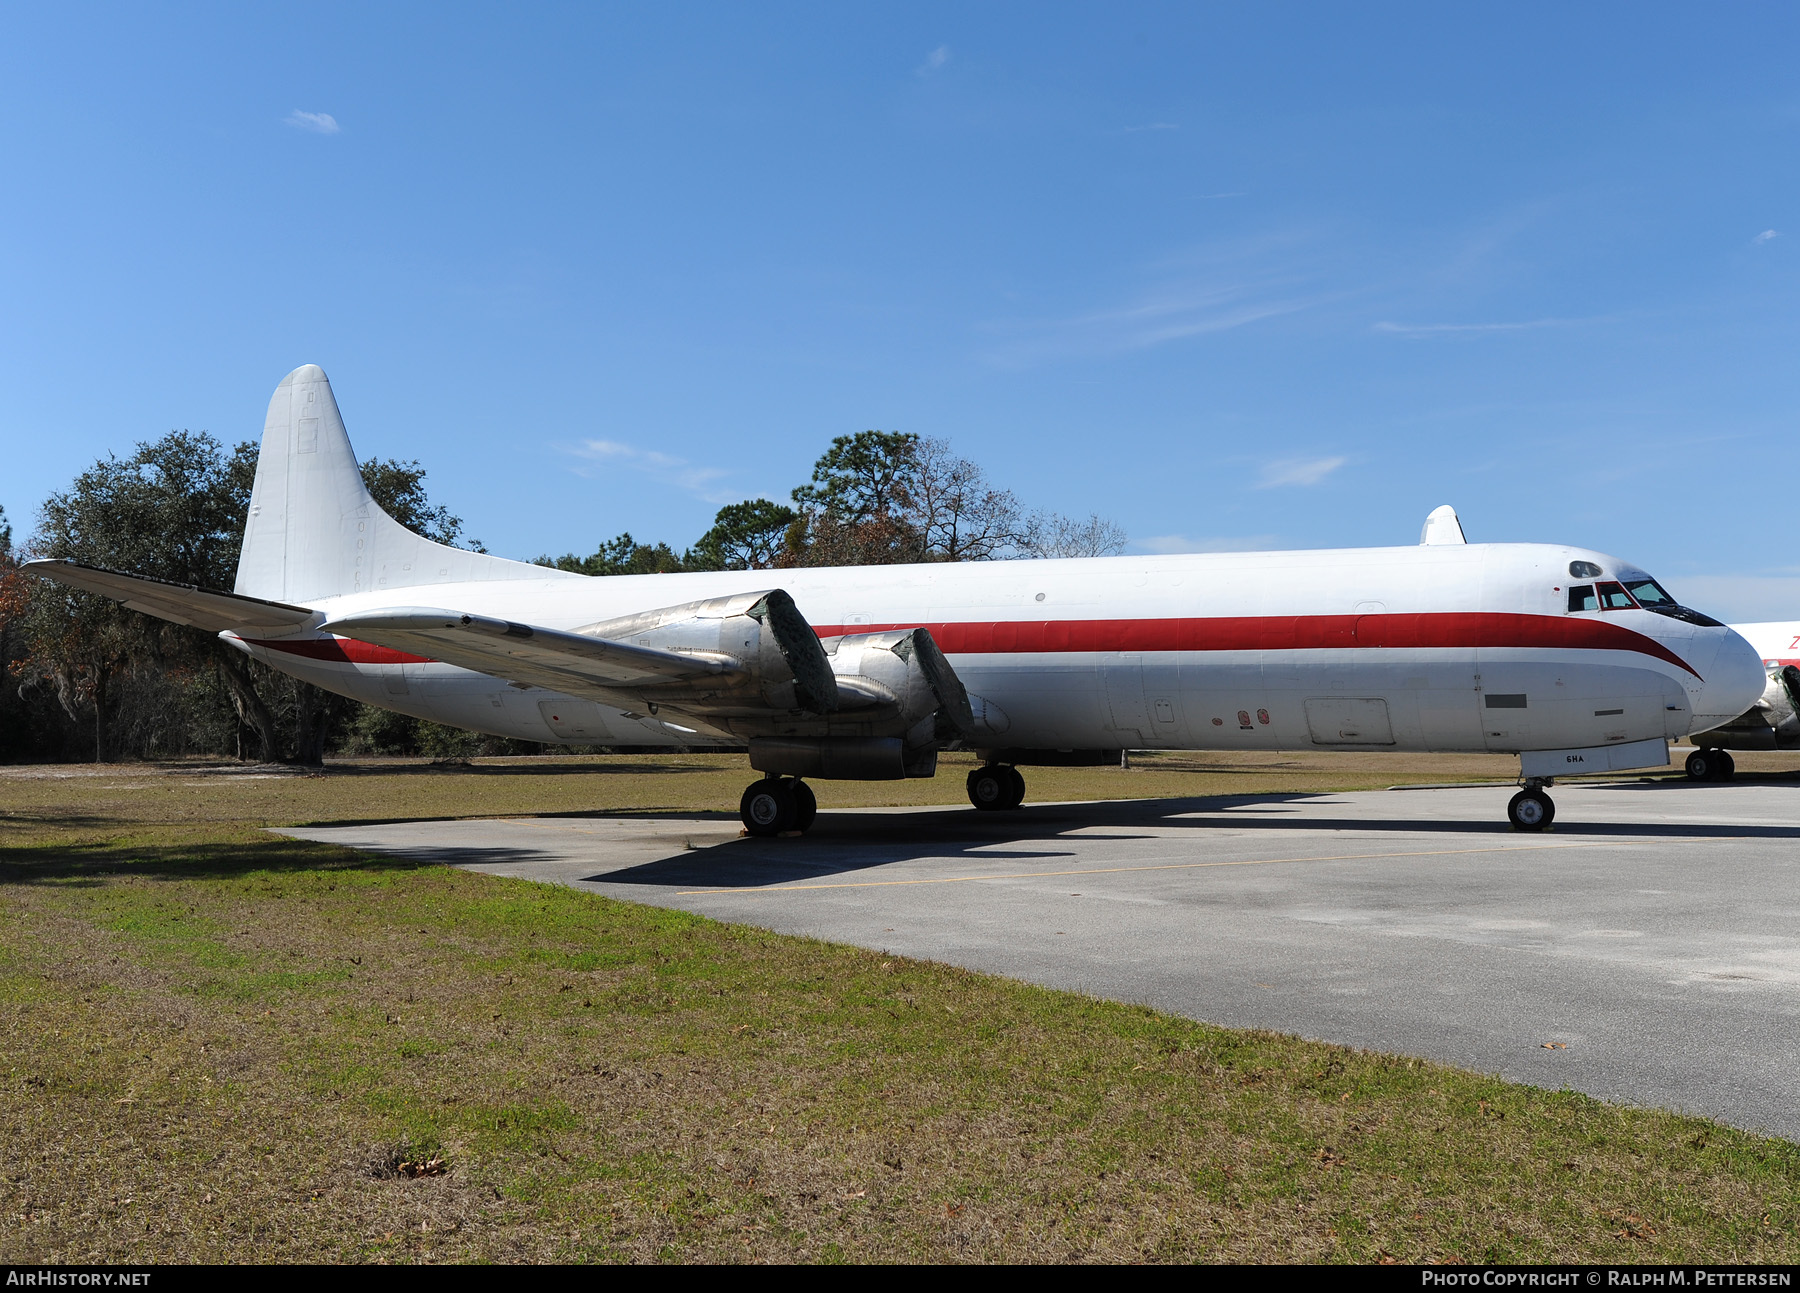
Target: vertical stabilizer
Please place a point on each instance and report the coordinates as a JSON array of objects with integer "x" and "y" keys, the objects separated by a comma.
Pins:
[{"x": 313, "y": 532}]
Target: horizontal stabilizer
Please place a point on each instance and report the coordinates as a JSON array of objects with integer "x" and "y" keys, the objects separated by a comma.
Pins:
[
  {"x": 576, "y": 663},
  {"x": 202, "y": 608}
]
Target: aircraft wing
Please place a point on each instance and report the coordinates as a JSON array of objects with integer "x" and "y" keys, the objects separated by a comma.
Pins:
[
  {"x": 202, "y": 608},
  {"x": 575, "y": 663}
]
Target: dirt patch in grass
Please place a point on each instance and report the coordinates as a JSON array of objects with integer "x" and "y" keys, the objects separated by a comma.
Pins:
[{"x": 219, "y": 1046}]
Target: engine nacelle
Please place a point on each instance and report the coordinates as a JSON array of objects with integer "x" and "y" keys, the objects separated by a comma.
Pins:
[
  {"x": 837, "y": 758},
  {"x": 899, "y": 702},
  {"x": 777, "y": 662},
  {"x": 897, "y": 683}
]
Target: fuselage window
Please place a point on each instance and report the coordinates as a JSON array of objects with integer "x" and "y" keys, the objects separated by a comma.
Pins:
[
  {"x": 1581, "y": 598},
  {"x": 1585, "y": 570},
  {"x": 1613, "y": 597}
]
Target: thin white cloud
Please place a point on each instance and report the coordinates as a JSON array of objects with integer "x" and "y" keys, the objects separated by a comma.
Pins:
[
  {"x": 322, "y": 123},
  {"x": 1297, "y": 471},
  {"x": 1209, "y": 288},
  {"x": 669, "y": 470},
  {"x": 1170, "y": 316},
  {"x": 934, "y": 61},
  {"x": 1767, "y": 235},
  {"x": 1452, "y": 329},
  {"x": 1167, "y": 544}
]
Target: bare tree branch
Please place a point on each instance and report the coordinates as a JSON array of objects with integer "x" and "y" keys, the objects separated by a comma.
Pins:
[{"x": 1051, "y": 534}]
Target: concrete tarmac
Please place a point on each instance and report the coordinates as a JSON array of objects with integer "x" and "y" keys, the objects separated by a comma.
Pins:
[{"x": 1646, "y": 950}]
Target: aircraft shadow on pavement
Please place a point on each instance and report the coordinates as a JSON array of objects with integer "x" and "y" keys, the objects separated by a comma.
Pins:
[{"x": 843, "y": 843}]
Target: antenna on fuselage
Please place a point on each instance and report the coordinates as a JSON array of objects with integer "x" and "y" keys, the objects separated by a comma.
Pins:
[{"x": 1441, "y": 527}]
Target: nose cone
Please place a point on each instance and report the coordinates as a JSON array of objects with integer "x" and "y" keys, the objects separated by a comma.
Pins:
[{"x": 1734, "y": 682}]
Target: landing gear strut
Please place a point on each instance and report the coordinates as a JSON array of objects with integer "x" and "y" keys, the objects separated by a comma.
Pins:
[
  {"x": 1531, "y": 809},
  {"x": 995, "y": 787},
  {"x": 777, "y": 806},
  {"x": 1711, "y": 765}
]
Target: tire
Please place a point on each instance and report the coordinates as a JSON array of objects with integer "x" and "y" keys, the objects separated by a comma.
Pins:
[
  {"x": 768, "y": 807},
  {"x": 989, "y": 788},
  {"x": 1699, "y": 765},
  {"x": 806, "y": 806},
  {"x": 1724, "y": 766},
  {"x": 1015, "y": 790},
  {"x": 1531, "y": 810}
]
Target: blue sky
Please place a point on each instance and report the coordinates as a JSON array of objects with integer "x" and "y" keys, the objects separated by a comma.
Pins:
[{"x": 1234, "y": 276}]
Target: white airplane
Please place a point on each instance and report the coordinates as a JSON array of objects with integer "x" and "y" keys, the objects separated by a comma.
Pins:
[
  {"x": 1773, "y": 722},
  {"x": 1573, "y": 660}
]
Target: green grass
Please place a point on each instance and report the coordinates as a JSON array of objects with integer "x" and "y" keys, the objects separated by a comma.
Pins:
[
  {"x": 109, "y": 799},
  {"x": 217, "y": 1045}
]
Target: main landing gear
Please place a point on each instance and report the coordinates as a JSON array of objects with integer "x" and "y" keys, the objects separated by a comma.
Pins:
[
  {"x": 995, "y": 787},
  {"x": 1531, "y": 809},
  {"x": 1711, "y": 765},
  {"x": 778, "y": 806}
]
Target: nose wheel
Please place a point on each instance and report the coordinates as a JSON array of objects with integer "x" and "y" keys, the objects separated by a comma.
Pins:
[
  {"x": 1531, "y": 810},
  {"x": 1711, "y": 765},
  {"x": 778, "y": 806},
  {"x": 996, "y": 787}
]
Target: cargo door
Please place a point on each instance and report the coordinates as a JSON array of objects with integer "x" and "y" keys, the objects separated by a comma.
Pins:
[
  {"x": 1122, "y": 676},
  {"x": 1349, "y": 720}
]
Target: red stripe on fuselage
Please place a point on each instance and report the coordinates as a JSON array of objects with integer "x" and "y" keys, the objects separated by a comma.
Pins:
[
  {"x": 1445, "y": 630},
  {"x": 1284, "y": 633}
]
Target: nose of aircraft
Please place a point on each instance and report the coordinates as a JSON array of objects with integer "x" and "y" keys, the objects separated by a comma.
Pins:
[{"x": 1734, "y": 682}]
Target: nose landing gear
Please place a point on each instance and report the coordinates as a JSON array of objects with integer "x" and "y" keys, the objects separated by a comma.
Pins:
[
  {"x": 1531, "y": 809},
  {"x": 1711, "y": 765},
  {"x": 778, "y": 806},
  {"x": 996, "y": 787}
]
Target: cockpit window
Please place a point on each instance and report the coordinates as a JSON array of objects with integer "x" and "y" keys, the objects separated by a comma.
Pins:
[
  {"x": 1649, "y": 594},
  {"x": 1607, "y": 596},
  {"x": 1653, "y": 597},
  {"x": 1585, "y": 570}
]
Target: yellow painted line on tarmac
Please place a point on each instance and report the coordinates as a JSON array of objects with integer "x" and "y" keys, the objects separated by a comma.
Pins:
[{"x": 1165, "y": 866}]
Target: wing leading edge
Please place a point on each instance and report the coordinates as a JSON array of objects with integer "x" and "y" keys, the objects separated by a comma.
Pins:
[
  {"x": 752, "y": 654},
  {"x": 575, "y": 663},
  {"x": 202, "y": 608}
]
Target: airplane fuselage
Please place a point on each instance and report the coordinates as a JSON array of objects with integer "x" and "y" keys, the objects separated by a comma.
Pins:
[
  {"x": 1571, "y": 659},
  {"x": 1465, "y": 647}
]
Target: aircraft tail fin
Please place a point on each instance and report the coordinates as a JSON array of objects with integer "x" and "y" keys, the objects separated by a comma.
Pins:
[{"x": 314, "y": 532}]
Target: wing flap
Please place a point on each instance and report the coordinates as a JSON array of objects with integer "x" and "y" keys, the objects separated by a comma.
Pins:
[
  {"x": 202, "y": 608},
  {"x": 577, "y": 663}
]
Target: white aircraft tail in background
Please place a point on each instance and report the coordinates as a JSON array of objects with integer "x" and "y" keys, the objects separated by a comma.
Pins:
[{"x": 1567, "y": 657}]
